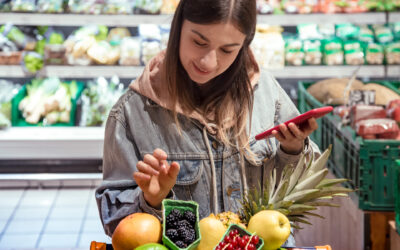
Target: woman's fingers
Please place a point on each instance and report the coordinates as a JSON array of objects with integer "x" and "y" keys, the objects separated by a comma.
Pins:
[
  {"x": 146, "y": 168},
  {"x": 174, "y": 169},
  {"x": 152, "y": 161},
  {"x": 160, "y": 154},
  {"x": 142, "y": 179},
  {"x": 299, "y": 134}
]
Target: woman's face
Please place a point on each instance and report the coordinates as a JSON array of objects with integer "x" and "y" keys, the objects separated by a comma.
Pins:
[{"x": 207, "y": 50}]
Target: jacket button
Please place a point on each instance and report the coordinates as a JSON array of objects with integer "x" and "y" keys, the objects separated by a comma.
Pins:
[{"x": 215, "y": 145}]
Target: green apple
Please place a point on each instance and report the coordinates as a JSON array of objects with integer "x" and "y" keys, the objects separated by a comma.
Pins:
[{"x": 272, "y": 226}]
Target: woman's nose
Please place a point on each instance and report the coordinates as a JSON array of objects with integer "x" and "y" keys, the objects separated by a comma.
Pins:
[{"x": 209, "y": 60}]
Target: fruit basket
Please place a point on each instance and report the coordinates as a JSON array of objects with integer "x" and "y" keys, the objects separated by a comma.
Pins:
[
  {"x": 180, "y": 224},
  {"x": 236, "y": 237},
  {"x": 368, "y": 164}
]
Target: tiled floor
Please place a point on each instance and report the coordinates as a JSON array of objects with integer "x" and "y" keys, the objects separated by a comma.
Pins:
[{"x": 61, "y": 218}]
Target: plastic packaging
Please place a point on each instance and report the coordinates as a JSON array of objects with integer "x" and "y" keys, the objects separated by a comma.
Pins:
[
  {"x": 347, "y": 31},
  {"x": 150, "y": 42},
  {"x": 353, "y": 53},
  {"x": 32, "y": 62},
  {"x": 264, "y": 7},
  {"x": 383, "y": 34},
  {"x": 312, "y": 52},
  {"x": 103, "y": 53},
  {"x": 268, "y": 47},
  {"x": 118, "y": 7},
  {"x": 86, "y": 6},
  {"x": 14, "y": 34},
  {"x": 23, "y": 5},
  {"x": 366, "y": 34},
  {"x": 364, "y": 112},
  {"x": 392, "y": 53},
  {"x": 7, "y": 91},
  {"x": 130, "y": 51},
  {"x": 294, "y": 54},
  {"x": 374, "y": 54},
  {"x": 147, "y": 6},
  {"x": 50, "y": 6},
  {"x": 333, "y": 51},
  {"x": 377, "y": 129}
]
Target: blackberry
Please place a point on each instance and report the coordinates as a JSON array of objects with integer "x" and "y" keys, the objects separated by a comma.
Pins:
[
  {"x": 184, "y": 224},
  {"x": 189, "y": 236},
  {"x": 180, "y": 244},
  {"x": 172, "y": 234},
  {"x": 190, "y": 216},
  {"x": 172, "y": 218}
]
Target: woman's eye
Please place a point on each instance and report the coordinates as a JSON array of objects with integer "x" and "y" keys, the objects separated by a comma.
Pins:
[
  {"x": 199, "y": 43},
  {"x": 226, "y": 51}
]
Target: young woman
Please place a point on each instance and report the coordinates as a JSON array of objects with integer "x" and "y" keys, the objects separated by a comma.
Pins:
[{"x": 185, "y": 129}]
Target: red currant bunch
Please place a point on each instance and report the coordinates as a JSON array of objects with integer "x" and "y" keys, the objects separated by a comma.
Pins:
[{"x": 233, "y": 241}]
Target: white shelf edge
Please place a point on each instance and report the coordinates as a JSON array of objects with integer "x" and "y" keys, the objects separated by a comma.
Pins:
[
  {"x": 394, "y": 17},
  {"x": 134, "y": 20},
  {"x": 393, "y": 71},
  {"x": 294, "y": 19},
  {"x": 19, "y": 143},
  {"x": 82, "y": 19},
  {"x": 292, "y": 72},
  {"x": 133, "y": 72}
]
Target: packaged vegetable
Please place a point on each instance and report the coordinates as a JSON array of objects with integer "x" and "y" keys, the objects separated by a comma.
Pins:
[
  {"x": 32, "y": 62},
  {"x": 147, "y": 6},
  {"x": 103, "y": 53},
  {"x": 150, "y": 36},
  {"x": 268, "y": 46},
  {"x": 374, "y": 54},
  {"x": 7, "y": 92},
  {"x": 383, "y": 34},
  {"x": 5, "y": 6},
  {"x": 130, "y": 51},
  {"x": 54, "y": 54},
  {"x": 364, "y": 112},
  {"x": 347, "y": 31},
  {"x": 115, "y": 35},
  {"x": 308, "y": 31},
  {"x": 392, "y": 53},
  {"x": 353, "y": 53},
  {"x": 294, "y": 54},
  {"x": 353, "y": 6},
  {"x": 333, "y": 51},
  {"x": 312, "y": 52},
  {"x": 97, "y": 100},
  {"x": 377, "y": 129},
  {"x": 50, "y": 6},
  {"x": 366, "y": 34},
  {"x": 164, "y": 33},
  {"x": 264, "y": 7},
  {"x": 118, "y": 7},
  {"x": 14, "y": 34},
  {"x": 396, "y": 30},
  {"x": 23, "y": 5},
  {"x": 86, "y": 6}
]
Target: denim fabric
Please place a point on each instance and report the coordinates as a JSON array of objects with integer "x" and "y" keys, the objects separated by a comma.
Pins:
[{"x": 136, "y": 126}]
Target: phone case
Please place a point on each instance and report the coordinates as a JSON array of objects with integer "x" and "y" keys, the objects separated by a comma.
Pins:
[{"x": 316, "y": 113}]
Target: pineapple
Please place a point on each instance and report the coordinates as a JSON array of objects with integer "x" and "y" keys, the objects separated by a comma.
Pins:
[
  {"x": 228, "y": 218},
  {"x": 299, "y": 191}
]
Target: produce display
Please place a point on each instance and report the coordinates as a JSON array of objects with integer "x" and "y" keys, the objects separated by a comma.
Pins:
[
  {"x": 7, "y": 91},
  {"x": 48, "y": 101},
  {"x": 264, "y": 222}
]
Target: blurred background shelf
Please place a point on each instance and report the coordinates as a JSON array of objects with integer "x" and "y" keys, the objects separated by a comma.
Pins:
[
  {"x": 319, "y": 71},
  {"x": 135, "y": 20},
  {"x": 393, "y": 17}
]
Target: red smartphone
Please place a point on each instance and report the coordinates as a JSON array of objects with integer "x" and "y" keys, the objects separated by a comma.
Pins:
[{"x": 299, "y": 120}]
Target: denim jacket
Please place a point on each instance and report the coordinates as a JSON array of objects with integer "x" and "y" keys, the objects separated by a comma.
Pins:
[{"x": 137, "y": 125}]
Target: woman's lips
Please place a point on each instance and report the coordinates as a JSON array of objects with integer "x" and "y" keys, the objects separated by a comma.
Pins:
[{"x": 200, "y": 71}]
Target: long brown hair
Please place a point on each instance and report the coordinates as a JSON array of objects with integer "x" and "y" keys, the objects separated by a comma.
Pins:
[{"x": 229, "y": 102}]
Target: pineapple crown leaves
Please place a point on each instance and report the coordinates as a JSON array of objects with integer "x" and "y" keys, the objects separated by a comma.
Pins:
[{"x": 296, "y": 191}]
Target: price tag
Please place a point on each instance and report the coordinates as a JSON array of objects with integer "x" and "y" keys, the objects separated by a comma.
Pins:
[{"x": 366, "y": 97}]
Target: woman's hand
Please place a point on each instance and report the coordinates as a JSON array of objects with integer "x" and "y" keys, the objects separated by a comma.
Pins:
[
  {"x": 292, "y": 137},
  {"x": 156, "y": 177}
]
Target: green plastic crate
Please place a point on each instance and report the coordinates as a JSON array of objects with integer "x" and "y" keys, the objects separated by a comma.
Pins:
[
  {"x": 18, "y": 120},
  {"x": 307, "y": 102},
  {"x": 368, "y": 164},
  {"x": 167, "y": 206},
  {"x": 397, "y": 196}
]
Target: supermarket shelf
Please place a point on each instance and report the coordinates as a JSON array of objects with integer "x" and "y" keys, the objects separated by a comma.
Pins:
[
  {"x": 394, "y": 17},
  {"x": 294, "y": 19},
  {"x": 393, "y": 71},
  {"x": 328, "y": 71},
  {"x": 134, "y": 20},
  {"x": 20, "y": 143},
  {"x": 82, "y": 19},
  {"x": 133, "y": 72},
  {"x": 14, "y": 71}
]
